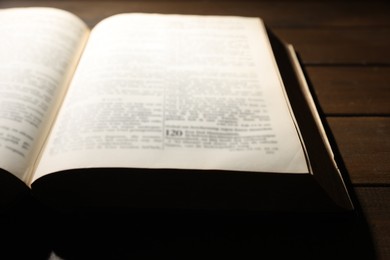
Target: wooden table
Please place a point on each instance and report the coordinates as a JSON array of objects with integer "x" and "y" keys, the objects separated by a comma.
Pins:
[{"x": 345, "y": 49}]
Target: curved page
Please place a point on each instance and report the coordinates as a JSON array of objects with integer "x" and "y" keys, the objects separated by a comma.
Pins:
[
  {"x": 39, "y": 49},
  {"x": 171, "y": 91}
]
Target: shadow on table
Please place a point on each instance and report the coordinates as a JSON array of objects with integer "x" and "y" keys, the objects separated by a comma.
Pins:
[
  {"x": 121, "y": 234},
  {"x": 31, "y": 231},
  {"x": 100, "y": 235}
]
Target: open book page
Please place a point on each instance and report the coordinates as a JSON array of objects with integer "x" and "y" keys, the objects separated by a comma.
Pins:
[
  {"x": 171, "y": 91},
  {"x": 39, "y": 49}
]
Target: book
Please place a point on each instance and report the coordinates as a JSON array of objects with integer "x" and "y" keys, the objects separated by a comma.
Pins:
[{"x": 160, "y": 111}]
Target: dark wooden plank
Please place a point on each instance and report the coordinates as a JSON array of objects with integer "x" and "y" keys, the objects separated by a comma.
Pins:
[
  {"x": 376, "y": 208},
  {"x": 357, "y": 46},
  {"x": 280, "y": 14},
  {"x": 364, "y": 144},
  {"x": 352, "y": 90}
]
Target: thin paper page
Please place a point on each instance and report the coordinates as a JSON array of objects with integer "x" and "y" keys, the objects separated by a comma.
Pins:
[
  {"x": 38, "y": 48},
  {"x": 171, "y": 91}
]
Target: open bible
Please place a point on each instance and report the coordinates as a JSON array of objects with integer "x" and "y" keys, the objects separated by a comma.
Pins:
[{"x": 160, "y": 111}]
